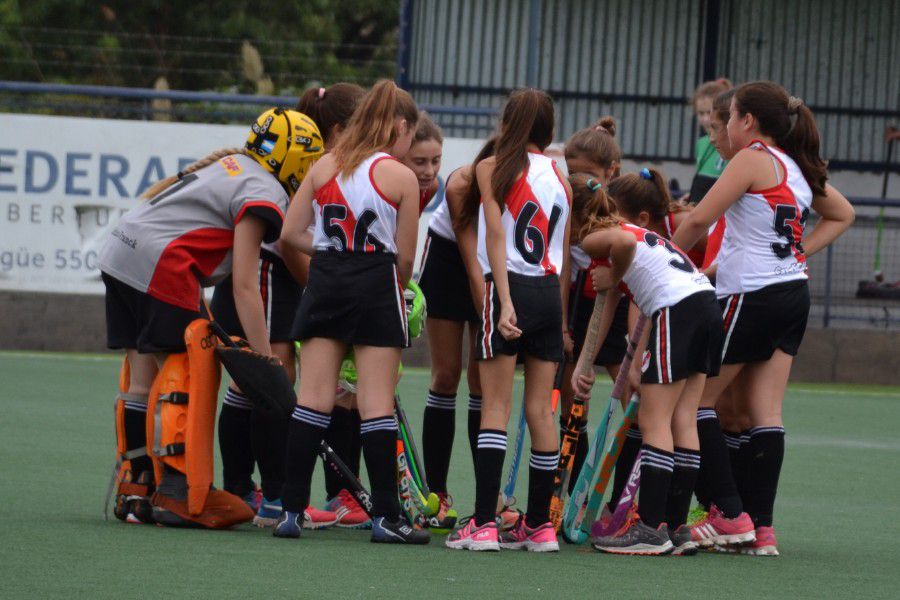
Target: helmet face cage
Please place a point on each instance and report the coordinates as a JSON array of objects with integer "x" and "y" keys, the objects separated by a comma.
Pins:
[{"x": 285, "y": 143}]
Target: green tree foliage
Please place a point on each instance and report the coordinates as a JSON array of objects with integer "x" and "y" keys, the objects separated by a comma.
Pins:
[{"x": 197, "y": 45}]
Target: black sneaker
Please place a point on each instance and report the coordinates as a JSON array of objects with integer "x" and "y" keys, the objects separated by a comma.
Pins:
[
  {"x": 397, "y": 532},
  {"x": 635, "y": 538},
  {"x": 681, "y": 541},
  {"x": 288, "y": 525}
]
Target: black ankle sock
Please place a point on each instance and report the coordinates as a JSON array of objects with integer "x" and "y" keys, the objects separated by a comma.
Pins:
[
  {"x": 379, "y": 442},
  {"x": 438, "y": 429},
  {"x": 581, "y": 451},
  {"x": 235, "y": 444},
  {"x": 340, "y": 437},
  {"x": 268, "y": 434},
  {"x": 474, "y": 424},
  {"x": 488, "y": 470},
  {"x": 656, "y": 476},
  {"x": 684, "y": 477},
  {"x": 742, "y": 464},
  {"x": 624, "y": 463},
  {"x": 766, "y": 449},
  {"x": 305, "y": 432},
  {"x": 136, "y": 436},
  {"x": 715, "y": 466},
  {"x": 541, "y": 473}
]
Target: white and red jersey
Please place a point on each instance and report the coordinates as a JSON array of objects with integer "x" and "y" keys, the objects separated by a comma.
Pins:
[
  {"x": 182, "y": 238},
  {"x": 694, "y": 254},
  {"x": 762, "y": 242},
  {"x": 534, "y": 221},
  {"x": 353, "y": 215},
  {"x": 441, "y": 223},
  {"x": 713, "y": 242},
  {"x": 580, "y": 261},
  {"x": 661, "y": 274}
]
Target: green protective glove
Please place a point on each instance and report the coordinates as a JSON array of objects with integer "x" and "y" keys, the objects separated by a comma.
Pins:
[{"x": 416, "y": 309}]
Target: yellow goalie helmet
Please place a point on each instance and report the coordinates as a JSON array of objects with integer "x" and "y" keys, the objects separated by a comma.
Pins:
[{"x": 286, "y": 143}]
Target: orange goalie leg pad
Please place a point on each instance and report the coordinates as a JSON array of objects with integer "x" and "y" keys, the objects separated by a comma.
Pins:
[{"x": 181, "y": 425}]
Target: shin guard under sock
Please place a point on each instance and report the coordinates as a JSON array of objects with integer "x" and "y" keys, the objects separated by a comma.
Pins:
[
  {"x": 305, "y": 432},
  {"x": 136, "y": 436},
  {"x": 656, "y": 476},
  {"x": 684, "y": 477},
  {"x": 624, "y": 464},
  {"x": 766, "y": 455},
  {"x": 541, "y": 473},
  {"x": 340, "y": 437},
  {"x": 474, "y": 424},
  {"x": 488, "y": 470},
  {"x": 268, "y": 434},
  {"x": 438, "y": 429},
  {"x": 235, "y": 443},
  {"x": 379, "y": 443},
  {"x": 743, "y": 460},
  {"x": 715, "y": 466}
]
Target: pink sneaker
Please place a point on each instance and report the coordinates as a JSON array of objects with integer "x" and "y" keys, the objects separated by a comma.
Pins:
[
  {"x": 508, "y": 519},
  {"x": 348, "y": 511},
  {"x": 474, "y": 537},
  {"x": 523, "y": 537},
  {"x": 313, "y": 518},
  {"x": 763, "y": 545},
  {"x": 715, "y": 529}
]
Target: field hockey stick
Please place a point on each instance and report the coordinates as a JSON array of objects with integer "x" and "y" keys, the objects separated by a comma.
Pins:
[
  {"x": 354, "y": 486},
  {"x": 410, "y": 494},
  {"x": 572, "y": 430},
  {"x": 508, "y": 494},
  {"x": 626, "y": 501},
  {"x": 879, "y": 227},
  {"x": 416, "y": 466},
  {"x": 575, "y": 509},
  {"x": 570, "y": 325}
]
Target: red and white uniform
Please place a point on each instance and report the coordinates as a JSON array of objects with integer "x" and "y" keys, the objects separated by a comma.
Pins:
[
  {"x": 537, "y": 209},
  {"x": 182, "y": 239},
  {"x": 661, "y": 274},
  {"x": 440, "y": 221},
  {"x": 353, "y": 215},
  {"x": 762, "y": 243},
  {"x": 694, "y": 254}
]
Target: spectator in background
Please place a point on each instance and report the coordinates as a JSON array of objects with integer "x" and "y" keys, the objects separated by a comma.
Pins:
[{"x": 709, "y": 163}]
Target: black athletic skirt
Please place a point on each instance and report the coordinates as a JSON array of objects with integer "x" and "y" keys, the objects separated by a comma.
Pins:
[
  {"x": 685, "y": 339},
  {"x": 759, "y": 322},
  {"x": 355, "y": 298},
  {"x": 280, "y": 294},
  {"x": 444, "y": 281},
  {"x": 138, "y": 321}
]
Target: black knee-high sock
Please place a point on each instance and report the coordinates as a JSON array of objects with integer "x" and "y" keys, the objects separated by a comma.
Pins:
[
  {"x": 541, "y": 472},
  {"x": 733, "y": 442},
  {"x": 624, "y": 463},
  {"x": 235, "y": 443},
  {"x": 581, "y": 451},
  {"x": 743, "y": 460},
  {"x": 474, "y": 424},
  {"x": 305, "y": 432},
  {"x": 339, "y": 436},
  {"x": 488, "y": 470},
  {"x": 684, "y": 477},
  {"x": 268, "y": 434},
  {"x": 715, "y": 466},
  {"x": 136, "y": 433},
  {"x": 355, "y": 457},
  {"x": 656, "y": 477},
  {"x": 379, "y": 442},
  {"x": 766, "y": 455},
  {"x": 438, "y": 429}
]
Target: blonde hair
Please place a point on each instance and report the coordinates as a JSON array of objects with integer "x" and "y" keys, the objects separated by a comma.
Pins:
[
  {"x": 162, "y": 184},
  {"x": 592, "y": 209},
  {"x": 371, "y": 128}
]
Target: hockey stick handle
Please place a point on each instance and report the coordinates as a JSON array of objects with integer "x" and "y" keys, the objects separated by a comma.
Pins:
[
  {"x": 360, "y": 494},
  {"x": 633, "y": 340}
]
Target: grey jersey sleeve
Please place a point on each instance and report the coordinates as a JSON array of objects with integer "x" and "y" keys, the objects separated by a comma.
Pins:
[{"x": 261, "y": 195}]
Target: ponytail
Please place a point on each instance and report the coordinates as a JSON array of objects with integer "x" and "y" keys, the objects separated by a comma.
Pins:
[
  {"x": 646, "y": 191},
  {"x": 330, "y": 106},
  {"x": 527, "y": 118},
  {"x": 162, "y": 184},
  {"x": 790, "y": 123},
  {"x": 596, "y": 144},
  {"x": 591, "y": 207},
  {"x": 371, "y": 128},
  {"x": 472, "y": 198}
]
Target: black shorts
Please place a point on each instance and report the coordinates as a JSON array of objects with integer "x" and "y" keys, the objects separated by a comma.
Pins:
[
  {"x": 445, "y": 282},
  {"x": 355, "y": 298},
  {"x": 759, "y": 322},
  {"x": 280, "y": 295},
  {"x": 135, "y": 320},
  {"x": 685, "y": 339},
  {"x": 538, "y": 314},
  {"x": 613, "y": 349}
]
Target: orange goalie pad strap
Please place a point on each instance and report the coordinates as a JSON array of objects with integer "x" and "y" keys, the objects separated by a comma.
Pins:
[{"x": 183, "y": 408}]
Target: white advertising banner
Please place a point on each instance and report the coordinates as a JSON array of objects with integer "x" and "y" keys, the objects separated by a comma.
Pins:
[{"x": 65, "y": 181}]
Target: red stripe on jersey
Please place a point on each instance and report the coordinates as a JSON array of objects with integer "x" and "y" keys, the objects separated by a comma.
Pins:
[
  {"x": 694, "y": 254},
  {"x": 196, "y": 253},
  {"x": 562, "y": 183},
  {"x": 331, "y": 193},
  {"x": 375, "y": 185},
  {"x": 714, "y": 242},
  {"x": 519, "y": 196},
  {"x": 782, "y": 194}
]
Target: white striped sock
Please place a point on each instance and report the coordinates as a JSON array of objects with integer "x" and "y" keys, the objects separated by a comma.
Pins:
[
  {"x": 237, "y": 400},
  {"x": 654, "y": 458},
  {"x": 759, "y": 430},
  {"x": 388, "y": 423},
  {"x": 441, "y": 401},
  {"x": 706, "y": 413},
  {"x": 492, "y": 439},
  {"x": 689, "y": 460},
  {"x": 544, "y": 462},
  {"x": 474, "y": 403},
  {"x": 311, "y": 417}
]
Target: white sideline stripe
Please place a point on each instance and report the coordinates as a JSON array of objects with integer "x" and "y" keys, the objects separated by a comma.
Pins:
[{"x": 844, "y": 443}]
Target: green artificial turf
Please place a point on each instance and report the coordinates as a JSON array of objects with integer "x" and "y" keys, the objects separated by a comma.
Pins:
[{"x": 837, "y": 515}]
